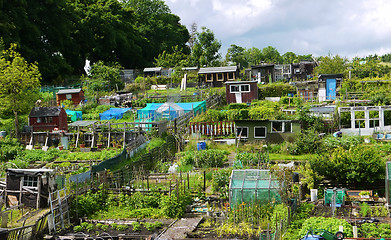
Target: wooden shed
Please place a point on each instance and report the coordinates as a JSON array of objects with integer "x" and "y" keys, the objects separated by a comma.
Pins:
[
  {"x": 270, "y": 131},
  {"x": 30, "y": 187},
  {"x": 241, "y": 91},
  {"x": 47, "y": 119},
  {"x": 216, "y": 76},
  {"x": 75, "y": 95}
]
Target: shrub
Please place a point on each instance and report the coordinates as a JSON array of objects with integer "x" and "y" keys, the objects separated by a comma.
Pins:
[
  {"x": 220, "y": 181},
  {"x": 305, "y": 142},
  {"x": 204, "y": 158},
  {"x": 78, "y": 228},
  {"x": 237, "y": 106}
]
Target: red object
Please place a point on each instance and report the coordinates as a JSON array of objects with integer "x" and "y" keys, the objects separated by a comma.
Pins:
[
  {"x": 48, "y": 119},
  {"x": 75, "y": 95}
]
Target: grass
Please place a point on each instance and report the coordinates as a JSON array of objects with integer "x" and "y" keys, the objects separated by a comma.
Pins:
[{"x": 280, "y": 156}]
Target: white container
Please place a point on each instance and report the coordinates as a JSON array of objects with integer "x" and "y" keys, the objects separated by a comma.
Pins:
[{"x": 314, "y": 195}]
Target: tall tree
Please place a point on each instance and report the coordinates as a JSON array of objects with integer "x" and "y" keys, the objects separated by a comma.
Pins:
[
  {"x": 253, "y": 56},
  {"x": 206, "y": 49},
  {"x": 175, "y": 59},
  {"x": 19, "y": 83},
  {"x": 331, "y": 65},
  {"x": 159, "y": 28},
  {"x": 271, "y": 55},
  {"x": 236, "y": 55}
]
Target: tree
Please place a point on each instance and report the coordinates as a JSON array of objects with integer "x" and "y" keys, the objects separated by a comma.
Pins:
[
  {"x": 235, "y": 55},
  {"x": 289, "y": 58},
  {"x": 271, "y": 55},
  {"x": 175, "y": 59},
  {"x": 19, "y": 83},
  {"x": 104, "y": 78},
  {"x": 205, "y": 49},
  {"x": 253, "y": 56},
  {"x": 331, "y": 65}
]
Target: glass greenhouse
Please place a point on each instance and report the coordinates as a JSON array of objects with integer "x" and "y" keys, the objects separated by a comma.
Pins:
[{"x": 253, "y": 186}]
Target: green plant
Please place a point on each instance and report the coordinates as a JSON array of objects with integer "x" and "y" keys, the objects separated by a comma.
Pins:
[
  {"x": 78, "y": 228},
  {"x": 136, "y": 226},
  {"x": 122, "y": 227},
  {"x": 152, "y": 226},
  {"x": 90, "y": 227},
  {"x": 364, "y": 193},
  {"x": 365, "y": 209},
  {"x": 104, "y": 227}
]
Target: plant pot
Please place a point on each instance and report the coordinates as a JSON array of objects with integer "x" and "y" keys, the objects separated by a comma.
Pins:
[
  {"x": 82, "y": 145},
  {"x": 99, "y": 146},
  {"x": 60, "y": 147}
]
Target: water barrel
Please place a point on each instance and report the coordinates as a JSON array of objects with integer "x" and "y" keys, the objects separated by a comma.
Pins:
[
  {"x": 3, "y": 134},
  {"x": 201, "y": 146},
  {"x": 314, "y": 195}
]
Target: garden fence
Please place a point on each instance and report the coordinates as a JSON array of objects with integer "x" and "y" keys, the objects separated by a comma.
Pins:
[{"x": 221, "y": 128}]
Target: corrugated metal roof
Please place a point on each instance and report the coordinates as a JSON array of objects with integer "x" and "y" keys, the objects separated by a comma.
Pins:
[
  {"x": 45, "y": 111},
  {"x": 156, "y": 69},
  {"x": 217, "y": 69},
  {"x": 69, "y": 91},
  {"x": 81, "y": 123}
]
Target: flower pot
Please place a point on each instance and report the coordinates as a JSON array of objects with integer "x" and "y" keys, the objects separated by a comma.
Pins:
[
  {"x": 60, "y": 147},
  {"x": 82, "y": 145},
  {"x": 99, "y": 146}
]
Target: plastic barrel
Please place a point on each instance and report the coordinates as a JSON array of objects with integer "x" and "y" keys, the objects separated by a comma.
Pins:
[{"x": 201, "y": 146}]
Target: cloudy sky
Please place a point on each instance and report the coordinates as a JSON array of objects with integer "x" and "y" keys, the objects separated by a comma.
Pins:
[{"x": 348, "y": 28}]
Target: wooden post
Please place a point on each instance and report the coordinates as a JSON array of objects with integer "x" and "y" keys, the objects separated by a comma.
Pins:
[
  {"x": 39, "y": 191},
  {"x": 188, "y": 181},
  {"x": 204, "y": 181},
  {"x": 148, "y": 183},
  {"x": 108, "y": 138},
  {"x": 20, "y": 189}
]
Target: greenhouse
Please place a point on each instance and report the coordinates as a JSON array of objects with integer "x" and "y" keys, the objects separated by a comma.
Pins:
[
  {"x": 253, "y": 186},
  {"x": 74, "y": 115},
  {"x": 388, "y": 182},
  {"x": 116, "y": 113},
  {"x": 169, "y": 110}
]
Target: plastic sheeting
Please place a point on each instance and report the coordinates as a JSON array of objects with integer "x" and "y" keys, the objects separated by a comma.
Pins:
[
  {"x": 116, "y": 113},
  {"x": 75, "y": 115},
  {"x": 169, "y": 111}
]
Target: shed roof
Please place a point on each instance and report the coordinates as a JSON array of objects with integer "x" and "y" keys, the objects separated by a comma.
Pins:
[
  {"x": 81, "y": 123},
  {"x": 45, "y": 111},
  {"x": 217, "y": 69},
  {"x": 240, "y": 82},
  {"x": 155, "y": 69},
  {"x": 69, "y": 91},
  {"x": 38, "y": 171}
]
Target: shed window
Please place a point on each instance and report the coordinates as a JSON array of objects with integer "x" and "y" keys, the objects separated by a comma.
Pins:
[
  {"x": 234, "y": 88},
  {"x": 260, "y": 132},
  {"x": 287, "y": 127},
  {"x": 231, "y": 76},
  {"x": 277, "y": 126},
  {"x": 69, "y": 96},
  {"x": 209, "y": 77},
  {"x": 39, "y": 120},
  {"x": 242, "y": 132},
  {"x": 30, "y": 181},
  {"x": 220, "y": 77},
  {"x": 245, "y": 88}
]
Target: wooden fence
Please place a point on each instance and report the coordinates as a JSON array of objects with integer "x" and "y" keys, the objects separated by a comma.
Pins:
[{"x": 222, "y": 128}]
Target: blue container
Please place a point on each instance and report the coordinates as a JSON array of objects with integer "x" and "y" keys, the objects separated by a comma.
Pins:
[
  {"x": 201, "y": 146},
  {"x": 3, "y": 134}
]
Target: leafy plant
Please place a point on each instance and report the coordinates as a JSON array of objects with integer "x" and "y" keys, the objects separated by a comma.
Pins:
[
  {"x": 136, "y": 226},
  {"x": 365, "y": 209},
  {"x": 78, "y": 228}
]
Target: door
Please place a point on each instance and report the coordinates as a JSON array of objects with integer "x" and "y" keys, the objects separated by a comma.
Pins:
[
  {"x": 238, "y": 97},
  {"x": 331, "y": 89}
]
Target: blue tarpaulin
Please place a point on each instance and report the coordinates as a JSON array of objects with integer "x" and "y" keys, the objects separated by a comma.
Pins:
[
  {"x": 158, "y": 111},
  {"x": 116, "y": 113}
]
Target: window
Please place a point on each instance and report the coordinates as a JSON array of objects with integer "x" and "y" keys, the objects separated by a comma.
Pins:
[
  {"x": 245, "y": 88},
  {"x": 39, "y": 120},
  {"x": 242, "y": 132},
  {"x": 276, "y": 126},
  {"x": 209, "y": 77},
  {"x": 50, "y": 119},
  {"x": 231, "y": 75},
  {"x": 69, "y": 96},
  {"x": 260, "y": 132},
  {"x": 30, "y": 181},
  {"x": 287, "y": 127},
  {"x": 234, "y": 88},
  {"x": 220, "y": 77}
]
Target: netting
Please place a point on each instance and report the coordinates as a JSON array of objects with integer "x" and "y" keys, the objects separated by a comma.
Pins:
[
  {"x": 253, "y": 186},
  {"x": 328, "y": 196},
  {"x": 74, "y": 115},
  {"x": 158, "y": 111}
]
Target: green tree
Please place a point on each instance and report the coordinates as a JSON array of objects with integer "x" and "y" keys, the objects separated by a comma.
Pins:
[
  {"x": 253, "y": 56},
  {"x": 175, "y": 59},
  {"x": 289, "y": 57},
  {"x": 271, "y": 55},
  {"x": 205, "y": 49},
  {"x": 235, "y": 55},
  {"x": 104, "y": 78},
  {"x": 19, "y": 83},
  {"x": 331, "y": 65}
]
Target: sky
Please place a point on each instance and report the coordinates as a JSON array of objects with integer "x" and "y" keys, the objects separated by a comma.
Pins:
[{"x": 348, "y": 28}]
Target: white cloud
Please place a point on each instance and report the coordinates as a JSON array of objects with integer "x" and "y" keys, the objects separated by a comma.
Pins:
[{"x": 344, "y": 27}]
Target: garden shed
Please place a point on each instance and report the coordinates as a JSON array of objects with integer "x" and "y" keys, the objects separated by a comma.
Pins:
[
  {"x": 48, "y": 119},
  {"x": 254, "y": 186},
  {"x": 272, "y": 131},
  {"x": 74, "y": 115},
  {"x": 241, "y": 91},
  {"x": 75, "y": 95},
  {"x": 30, "y": 187},
  {"x": 116, "y": 113}
]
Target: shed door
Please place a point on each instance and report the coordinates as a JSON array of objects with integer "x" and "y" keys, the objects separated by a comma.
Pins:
[
  {"x": 238, "y": 97},
  {"x": 331, "y": 87}
]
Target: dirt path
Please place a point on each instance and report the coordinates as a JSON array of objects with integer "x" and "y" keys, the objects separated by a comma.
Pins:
[{"x": 179, "y": 229}]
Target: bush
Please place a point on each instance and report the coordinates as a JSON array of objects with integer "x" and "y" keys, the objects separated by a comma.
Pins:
[
  {"x": 204, "y": 158},
  {"x": 220, "y": 181},
  {"x": 305, "y": 142},
  {"x": 237, "y": 106},
  {"x": 275, "y": 90}
]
